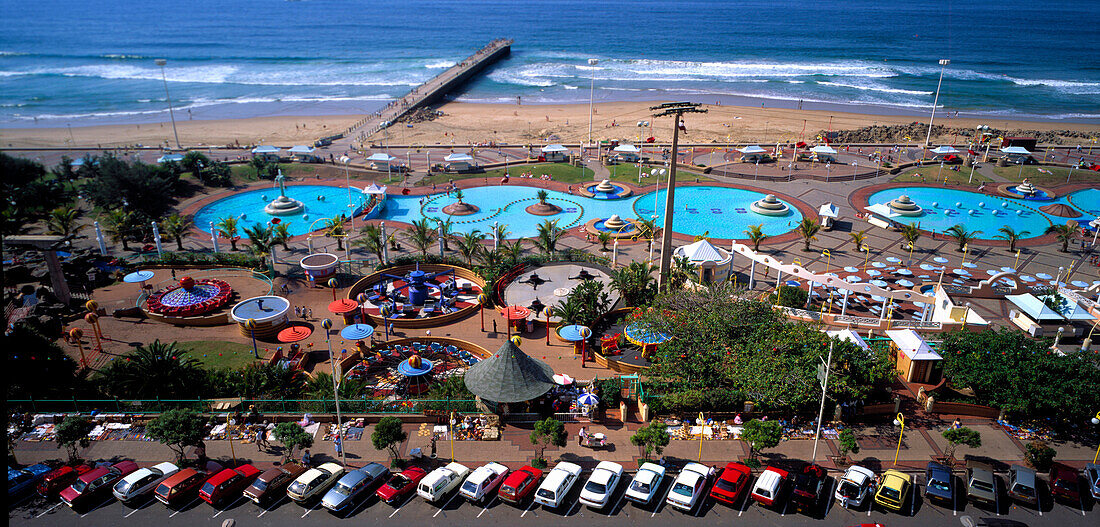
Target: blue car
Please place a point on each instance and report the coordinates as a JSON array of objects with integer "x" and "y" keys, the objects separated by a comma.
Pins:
[
  {"x": 353, "y": 484},
  {"x": 20, "y": 480}
]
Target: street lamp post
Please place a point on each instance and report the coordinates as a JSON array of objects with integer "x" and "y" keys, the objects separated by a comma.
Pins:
[
  {"x": 171, "y": 113},
  {"x": 936, "y": 102},
  {"x": 899, "y": 421},
  {"x": 327, "y": 325},
  {"x": 1096, "y": 421},
  {"x": 821, "y": 410},
  {"x": 591, "y": 99},
  {"x": 676, "y": 111}
]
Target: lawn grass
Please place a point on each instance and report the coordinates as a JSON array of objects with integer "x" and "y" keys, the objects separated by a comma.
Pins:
[
  {"x": 244, "y": 173},
  {"x": 219, "y": 354},
  {"x": 562, "y": 172},
  {"x": 1056, "y": 176},
  {"x": 930, "y": 176}
]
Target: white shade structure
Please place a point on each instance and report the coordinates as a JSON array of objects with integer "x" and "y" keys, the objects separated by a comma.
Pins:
[
  {"x": 627, "y": 149},
  {"x": 555, "y": 153},
  {"x": 944, "y": 150},
  {"x": 380, "y": 157},
  {"x": 752, "y": 149},
  {"x": 301, "y": 149},
  {"x": 554, "y": 148},
  {"x": 822, "y": 149},
  {"x": 170, "y": 158},
  {"x": 452, "y": 158},
  {"x": 266, "y": 149}
]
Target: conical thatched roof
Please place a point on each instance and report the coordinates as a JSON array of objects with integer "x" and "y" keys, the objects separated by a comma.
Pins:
[
  {"x": 509, "y": 376},
  {"x": 1059, "y": 209}
]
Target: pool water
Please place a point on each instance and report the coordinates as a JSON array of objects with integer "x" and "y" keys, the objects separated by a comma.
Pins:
[
  {"x": 945, "y": 207},
  {"x": 717, "y": 211}
]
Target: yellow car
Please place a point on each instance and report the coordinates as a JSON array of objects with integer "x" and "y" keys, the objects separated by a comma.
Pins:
[{"x": 892, "y": 489}]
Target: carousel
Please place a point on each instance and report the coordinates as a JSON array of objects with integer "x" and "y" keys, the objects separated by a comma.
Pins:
[{"x": 190, "y": 298}]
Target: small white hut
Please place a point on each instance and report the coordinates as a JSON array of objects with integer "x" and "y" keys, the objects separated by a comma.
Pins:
[
  {"x": 555, "y": 153},
  {"x": 459, "y": 162},
  {"x": 713, "y": 263}
]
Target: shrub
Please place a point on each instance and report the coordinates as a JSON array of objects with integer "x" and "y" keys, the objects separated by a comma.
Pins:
[{"x": 1039, "y": 455}]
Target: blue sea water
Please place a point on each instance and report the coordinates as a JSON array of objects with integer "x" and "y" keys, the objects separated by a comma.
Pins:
[{"x": 79, "y": 62}]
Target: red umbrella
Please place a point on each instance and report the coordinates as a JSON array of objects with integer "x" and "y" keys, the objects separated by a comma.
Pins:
[
  {"x": 295, "y": 334},
  {"x": 344, "y": 305},
  {"x": 515, "y": 312}
]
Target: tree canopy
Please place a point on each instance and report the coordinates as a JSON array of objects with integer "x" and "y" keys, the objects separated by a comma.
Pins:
[
  {"x": 178, "y": 429},
  {"x": 292, "y": 436},
  {"x": 388, "y": 435},
  {"x": 652, "y": 438},
  {"x": 72, "y": 433},
  {"x": 548, "y": 432}
]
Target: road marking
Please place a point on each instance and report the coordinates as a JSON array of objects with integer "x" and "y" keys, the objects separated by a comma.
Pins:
[
  {"x": 1038, "y": 501},
  {"x": 528, "y": 509},
  {"x": 49, "y": 510},
  {"x": 571, "y": 509},
  {"x": 177, "y": 511},
  {"x": 97, "y": 507},
  {"x": 309, "y": 510},
  {"x": 138, "y": 508},
  {"x": 276, "y": 504},
  {"x": 357, "y": 507},
  {"x": 445, "y": 505},
  {"x": 786, "y": 505},
  {"x": 487, "y": 505},
  {"x": 1081, "y": 501},
  {"x": 219, "y": 513},
  {"x": 397, "y": 510},
  {"x": 612, "y": 511}
]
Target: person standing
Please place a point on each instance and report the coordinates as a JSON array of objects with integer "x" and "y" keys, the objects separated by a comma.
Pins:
[
  {"x": 337, "y": 443},
  {"x": 581, "y": 436}
]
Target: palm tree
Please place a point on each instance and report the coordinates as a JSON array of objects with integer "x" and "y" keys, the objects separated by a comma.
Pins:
[
  {"x": 280, "y": 234},
  {"x": 513, "y": 251},
  {"x": 683, "y": 270},
  {"x": 635, "y": 283},
  {"x": 1010, "y": 234},
  {"x": 176, "y": 226},
  {"x": 445, "y": 228},
  {"x": 421, "y": 235},
  {"x": 501, "y": 232},
  {"x": 370, "y": 238},
  {"x": 647, "y": 229},
  {"x": 469, "y": 245},
  {"x": 542, "y": 195},
  {"x": 858, "y": 238},
  {"x": 604, "y": 238},
  {"x": 228, "y": 227},
  {"x": 459, "y": 195},
  {"x": 62, "y": 222},
  {"x": 961, "y": 235},
  {"x": 260, "y": 239},
  {"x": 548, "y": 236},
  {"x": 1065, "y": 234},
  {"x": 119, "y": 225},
  {"x": 154, "y": 370},
  {"x": 334, "y": 228},
  {"x": 808, "y": 229},
  {"x": 193, "y": 162},
  {"x": 911, "y": 234},
  {"x": 756, "y": 235}
]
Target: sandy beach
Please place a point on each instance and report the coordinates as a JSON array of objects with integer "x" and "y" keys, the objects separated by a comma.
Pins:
[{"x": 463, "y": 123}]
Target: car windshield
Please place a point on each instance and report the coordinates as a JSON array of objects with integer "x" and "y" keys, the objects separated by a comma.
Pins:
[
  {"x": 1024, "y": 490},
  {"x": 938, "y": 485},
  {"x": 163, "y": 489},
  {"x": 1066, "y": 484},
  {"x": 508, "y": 489},
  {"x": 470, "y": 487},
  {"x": 208, "y": 488},
  {"x": 342, "y": 489},
  {"x": 123, "y": 487},
  {"x": 890, "y": 493},
  {"x": 260, "y": 485},
  {"x": 79, "y": 485},
  {"x": 726, "y": 485},
  {"x": 849, "y": 489},
  {"x": 597, "y": 488},
  {"x": 683, "y": 490},
  {"x": 398, "y": 481},
  {"x": 640, "y": 486},
  {"x": 298, "y": 487},
  {"x": 982, "y": 485},
  {"x": 764, "y": 492},
  {"x": 546, "y": 493}
]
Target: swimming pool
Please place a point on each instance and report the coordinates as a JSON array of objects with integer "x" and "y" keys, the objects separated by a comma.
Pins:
[
  {"x": 248, "y": 207},
  {"x": 945, "y": 207}
]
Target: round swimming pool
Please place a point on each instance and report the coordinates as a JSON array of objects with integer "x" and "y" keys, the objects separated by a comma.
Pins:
[{"x": 248, "y": 207}]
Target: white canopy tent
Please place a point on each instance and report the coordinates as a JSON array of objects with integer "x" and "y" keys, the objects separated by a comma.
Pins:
[
  {"x": 824, "y": 153},
  {"x": 170, "y": 158},
  {"x": 459, "y": 162},
  {"x": 266, "y": 149},
  {"x": 301, "y": 149},
  {"x": 627, "y": 152},
  {"x": 752, "y": 154},
  {"x": 555, "y": 153},
  {"x": 828, "y": 213},
  {"x": 850, "y": 336},
  {"x": 381, "y": 161}
]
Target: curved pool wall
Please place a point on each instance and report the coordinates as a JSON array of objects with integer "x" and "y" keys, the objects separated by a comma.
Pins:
[
  {"x": 720, "y": 212},
  {"x": 993, "y": 215}
]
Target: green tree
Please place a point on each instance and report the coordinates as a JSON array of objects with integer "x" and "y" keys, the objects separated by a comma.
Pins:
[
  {"x": 260, "y": 165},
  {"x": 178, "y": 429},
  {"x": 469, "y": 245},
  {"x": 652, "y": 438},
  {"x": 513, "y": 250},
  {"x": 422, "y": 235},
  {"x": 542, "y": 194},
  {"x": 120, "y": 225},
  {"x": 176, "y": 227},
  {"x": 459, "y": 195},
  {"x": 683, "y": 271},
  {"x": 292, "y": 436},
  {"x": 790, "y": 296},
  {"x": 62, "y": 222},
  {"x": 260, "y": 240},
  {"x": 604, "y": 238},
  {"x": 72, "y": 434},
  {"x": 145, "y": 190},
  {"x": 910, "y": 233},
  {"x": 635, "y": 283},
  {"x": 334, "y": 228},
  {"x": 227, "y": 227},
  {"x": 858, "y": 238},
  {"x": 808, "y": 229},
  {"x": 444, "y": 229},
  {"x": 1039, "y": 455},
  {"x": 155, "y": 370},
  {"x": 388, "y": 435},
  {"x": 761, "y": 435},
  {"x": 370, "y": 239},
  {"x": 847, "y": 442},
  {"x": 961, "y": 235},
  {"x": 549, "y": 234},
  {"x": 280, "y": 234},
  {"x": 218, "y": 174},
  {"x": 1011, "y": 235},
  {"x": 586, "y": 303},
  {"x": 647, "y": 228},
  {"x": 756, "y": 235},
  {"x": 961, "y": 436},
  {"x": 193, "y": 162},
  {"x": 547, "y": 432},
  {"x": 1064, "y": 234}
]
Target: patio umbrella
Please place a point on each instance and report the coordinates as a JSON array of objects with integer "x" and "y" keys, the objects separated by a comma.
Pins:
[
  {"x": 357, "y": 332},
  {"x": 1027, "y": 278},
  {"x": 1079, "y": 283},
  {"x": 574, "y": 332},
  {"x": 1043, "y": 276},
  {"x": 970, "y": 265},
  {"x": 834, "y": 275},
  {"x": 905, "y": 283},
  {"x": 344, "y": 305},
  {"x": 940, "y": 259},
  {"x": 893, "y": 259},
  {"x": 515, "y": 312},
  {"x": 588, "y": 399},
  {"x": 879, "y": 283},
  {"x": 1057, "y": 283},
  {"x": 904, "y": 272},
  {"x": 1008, "y": 269},
  {"x": 962, "y": 272},
  {"x": 853, "y": 278},
  {"x": 792, "y": 283},
  {"x": 872, "y": 272},
  {"x": 295, "y": 334},
  {"x": 851, "y": 269},
  {"x": 137, "y": 276},
  {"x": 928, "y": 267},
  {"x": 879, "y": 265},
  {"x": 563, "y": 379}
]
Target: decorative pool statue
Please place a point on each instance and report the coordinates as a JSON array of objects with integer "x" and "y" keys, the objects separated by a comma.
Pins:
[{"x": 282, "y": 205}]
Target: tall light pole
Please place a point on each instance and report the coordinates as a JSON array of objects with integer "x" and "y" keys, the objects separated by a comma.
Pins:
[
  {"x": 171, "y": 114},
  {"x": 899, "y": 421},
  {"x": 677, "y": 111},
  {"x": 591, "y": 98},
  {"x": 327, "y": 325},
  {"x": 936, "y": 102},
  {"x": 821, "y": 411}
]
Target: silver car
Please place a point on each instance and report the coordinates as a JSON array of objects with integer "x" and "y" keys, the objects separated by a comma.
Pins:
[{"x": 352, "y": 485}]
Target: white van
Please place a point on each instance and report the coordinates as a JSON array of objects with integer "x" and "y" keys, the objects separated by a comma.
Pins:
[
  {"x": 557, "y": 484},
  {"x": 441, "y": 481}
]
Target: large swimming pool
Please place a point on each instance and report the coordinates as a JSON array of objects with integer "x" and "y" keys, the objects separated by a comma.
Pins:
[
  {"x": 719, "y": 212},
  {"x": 945, "y": 207}
]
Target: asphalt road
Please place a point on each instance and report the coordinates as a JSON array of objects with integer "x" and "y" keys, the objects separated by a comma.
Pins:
[{"x": 454, "y": 510}]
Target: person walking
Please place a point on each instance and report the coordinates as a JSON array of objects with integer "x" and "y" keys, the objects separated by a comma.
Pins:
[
  {"x": 306, "y": 458},
  {"x": 337, "y": 443},
  {"x": 261, "y": 439}
]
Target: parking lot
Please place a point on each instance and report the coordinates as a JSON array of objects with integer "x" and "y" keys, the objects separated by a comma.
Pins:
[{"x": 456, "y": 510}]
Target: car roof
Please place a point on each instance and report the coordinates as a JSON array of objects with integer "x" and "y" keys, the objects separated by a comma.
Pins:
[
  {"x": 166, "y": 467},
  {"x": 895, "y": 477},
  {"x": 769, "y": 479},
  {"x": 178, "y": 476},
  {"x": 223, "y": 476},
  {"x": 94, "y": 474},
  {"x": 858, "y": 475},
  {"x": 978, "y": 465},
  {"x": 374, "y": 469},
  {"x": 311, "y": 475},
  {"x": 1024, "y": 475},
  {"x": 651, "y": 467},
  {"x": 689, "y": 477},
  {"x": 137, "y": 474},
  {"x": 610, "y": 465},
  {"x": 697, "y": 468},
  {"x": 331, "y": 467},
  {"x": 556, "y": 477},
  {"x": 353, "y": 477},
  {"x": 938, "y": 468}
]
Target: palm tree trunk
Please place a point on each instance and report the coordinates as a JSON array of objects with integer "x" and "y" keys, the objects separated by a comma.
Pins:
[
  {"x": 179, "y": 243},
  {"x": 233, "y": 243}
]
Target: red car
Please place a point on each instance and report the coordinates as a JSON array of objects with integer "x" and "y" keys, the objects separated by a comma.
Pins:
[
  {"x": 179, "y": 487},
  {"x": 59, "y": 479},
  {"x": 95, "y": 483},
  {"x": 1064, "y": 483},
  {"x": 228, "y": 484},
  {"x": 401, "y": 484},
  {"x": 731, "y": 483},
  {"x": 519, "y": 484}
]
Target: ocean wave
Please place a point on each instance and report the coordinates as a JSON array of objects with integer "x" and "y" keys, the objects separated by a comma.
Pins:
[
  {"x": 227, "y": 74},
  {"x": 202, "y": 103},
  {"x": 874, "y": 88},
  {"x": 440, "y": 64},
  {"x": 1071, "y": 87}
]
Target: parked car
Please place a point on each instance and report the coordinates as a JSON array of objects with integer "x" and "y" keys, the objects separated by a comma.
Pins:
[
  {"x": 60, "y": 478},
  {"x": 179, "y": 487},
  {"x": 95, "y": 483},
  {"x": 482, "y": 483},
  {"x": 855, "y": 486},
  {"x": 601, "y": 484},
  {"x": 769, "y": 486},
  {"x": 557, "y": 484},
  {"x": 21, "y": 479},
  {"x": 400, "y": 484},
  {"x": 271, "y": 485},
  {"x": 645, "y": 483},
  {"x": 143, "y": 481},
  {"x": 689, "y": 485},
  {"x": 1063, "y": 483},
  {"x": 354, "y": 484},
  {"x": 1021, "y": 485},
  {"x": 1092, "y": 475},
  {"x": 733, "y": 480},
  {"x": 441, "y": 481},
  {"x": 981, "y": 484},
  {"x": 808, "y": 488},
  {"x": 228, "y": 484},
  {"x": 893, "y": 489},
  {"x": 314, "y": 482},
  {"x": 519, "y": 484},
  {"x": 939, "y": 484}
]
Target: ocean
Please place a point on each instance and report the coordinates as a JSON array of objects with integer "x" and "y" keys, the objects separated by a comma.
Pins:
[{"x": 74, "y": 62}]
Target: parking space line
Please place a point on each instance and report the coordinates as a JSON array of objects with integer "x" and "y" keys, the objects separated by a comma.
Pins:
[
  {"x": 445, "y": 505},
  {"x": 138, "y": 508},
  {"x": 576, "y": 504},
  {"x": 357, "y": 507},
  {"x": 177, "y": 511},
  {"x": 309, "y": 510},
  {"x": 1081, "y": 501},
  {"x": 97, "y": 507},
  {"x": 219, "y": 513},
  {"x": 397, "y": 510},
  {"x": 49, "y": 510},
  {"x": 786, "y": 505},
  {"x": 487, "y": 505},
  {"x": 612, "y": 511},
  {"x": 1038, "y": 501},
  {"x": 276, "y": 504},
  {"x": 528, "y": 509}
]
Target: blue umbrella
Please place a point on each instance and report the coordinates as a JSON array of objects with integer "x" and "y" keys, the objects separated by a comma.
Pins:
[
  {"x": 574, "y": 332},
  {"x": 588, "y": 399},
  {"x": 137, "y": 276},
  {"x": 792, "y": 283},
  {"x": 357, "y": 332}
]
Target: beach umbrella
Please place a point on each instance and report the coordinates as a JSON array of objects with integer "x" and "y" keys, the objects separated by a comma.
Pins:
[
  {"x": 893, "y": 259},
  {"x": 853, "y": 278},
  {"x": 357, "y": 332},
  {"x": 642, "y": 334},
  {"x": 344, "y": 305},
  {"x": 940, "y": 259},
  {"x": 904, "y": 272},
  {"x": 905, "y": 283},
  {"x": 792, "y": 283},
  {"x": 1027, "y": 278},
  {"x": 137, "y": 276},
  {"x": 879, "y": 283},
  {"x": 588, "y": 399},
  {"x": 563, "y": 379},
  {"x": 962, "y": 272},
  {"x": 970, "y": 265},
  {"x": 992, "y": 272},
  {"x": 873, "y": 272},
  {"x": 1043, "y": 276},
  {"x": 834, "y": 275},
  {"x": 1008, "y": 269},
  {"x": 295, "y": 333},
  {"x": 1079, "y": 283},
  {"x": 928, "y": 267},
  {"x": 879, "y": 265},
  {"x": 851, "y": 269}
]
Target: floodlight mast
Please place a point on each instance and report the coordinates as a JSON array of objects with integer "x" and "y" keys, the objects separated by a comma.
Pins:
[{"x": 677, "y": 110}]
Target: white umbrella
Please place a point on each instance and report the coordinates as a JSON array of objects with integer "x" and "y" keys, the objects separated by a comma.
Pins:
[
  {"x": 962, "y": 272},
  {"x": 1008, "y": 269},
  {"x": 563, "y": 379},
  {"x": 851, "y": 269},
  {"x": 880, "y": 265},
  {"x": 853, "y": 278},
  {"x": 893, "y": 259},
  {"x": 927, "y": 267},
  {"x": 905, "y": 283},
  {"x": 1079, "y": 283},
  {"x": 1027, "y": 278},
  {"x": 880, "y": 283},
  {"x": 904, "y": 272},
  {"x": 873, "y": 272},
  {"x": 970, "y": 265},
  {"x": 939, "y": 259},
  {"x": 1043, "y": 276}
]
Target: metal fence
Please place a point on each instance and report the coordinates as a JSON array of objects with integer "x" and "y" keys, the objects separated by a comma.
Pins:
[{"x": 263, "y": 406}]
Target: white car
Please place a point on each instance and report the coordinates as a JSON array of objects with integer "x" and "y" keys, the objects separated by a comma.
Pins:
[
  {"x": 557, "y": 484},
  {"x": 142, "y": 481},
  {"x": 314, "y": 482},
  {"x": 645, "y": 483},
  {"x": 601, "y": 484},
  {"x": 483, "y": 481},
  {"x": 441, "y": 481},
  {"x": 855, "y": 486},
  {"x": 688, "y": 486}
]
